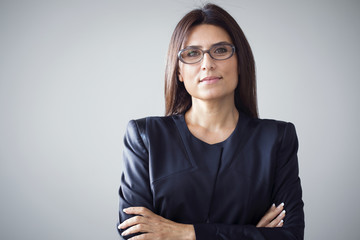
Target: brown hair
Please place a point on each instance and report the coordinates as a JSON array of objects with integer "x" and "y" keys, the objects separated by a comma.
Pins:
[{"x": 177, "y": 99}]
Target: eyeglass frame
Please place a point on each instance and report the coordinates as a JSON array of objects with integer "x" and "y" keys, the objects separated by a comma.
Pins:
[{"x": 206, "y": 51}]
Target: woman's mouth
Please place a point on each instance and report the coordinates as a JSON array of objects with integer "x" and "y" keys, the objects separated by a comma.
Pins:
[{"x": 210, "y": 79}]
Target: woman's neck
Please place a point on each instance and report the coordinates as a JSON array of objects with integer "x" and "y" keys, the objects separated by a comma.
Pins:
[{"x": 212, "y": 115}]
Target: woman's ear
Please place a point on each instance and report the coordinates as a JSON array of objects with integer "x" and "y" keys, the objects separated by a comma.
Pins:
[{"x": 180, "y": 77}]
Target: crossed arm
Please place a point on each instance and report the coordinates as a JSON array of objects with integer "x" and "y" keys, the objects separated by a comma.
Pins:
[{"x": 154, "y": 226}]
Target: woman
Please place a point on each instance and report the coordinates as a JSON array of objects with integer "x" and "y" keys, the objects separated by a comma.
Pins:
[{"x": 210, "y": 169}]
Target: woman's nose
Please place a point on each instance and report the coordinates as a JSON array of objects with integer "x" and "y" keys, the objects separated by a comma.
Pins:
[{"x": 207, "y": 62}]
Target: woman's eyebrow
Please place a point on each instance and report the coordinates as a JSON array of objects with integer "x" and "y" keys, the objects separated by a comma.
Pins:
[
  {"x": 194, "y": 46},
  {"x": 199, "y": 46},
  {"x": 220, "y": 43}
]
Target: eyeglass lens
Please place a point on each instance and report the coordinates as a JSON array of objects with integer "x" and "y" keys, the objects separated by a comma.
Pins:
[{"x": 219, "y": 52}]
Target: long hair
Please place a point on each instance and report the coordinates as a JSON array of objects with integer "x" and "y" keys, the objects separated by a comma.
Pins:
[{"x": 177, "y": 99}]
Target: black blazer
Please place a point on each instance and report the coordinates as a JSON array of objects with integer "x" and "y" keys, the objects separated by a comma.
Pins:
[{"x": 166, "y": 169}]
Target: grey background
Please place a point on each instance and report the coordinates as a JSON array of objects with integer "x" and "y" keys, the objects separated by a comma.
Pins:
[{"x": 73, "y": 73}]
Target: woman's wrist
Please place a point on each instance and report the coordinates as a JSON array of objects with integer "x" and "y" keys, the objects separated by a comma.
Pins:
[{"x": 190, "y": 232}]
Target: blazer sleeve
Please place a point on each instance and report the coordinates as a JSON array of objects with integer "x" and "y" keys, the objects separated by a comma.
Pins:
[
  {"x": 286, "y": 189},
  {"x": 135, "y": 184}
]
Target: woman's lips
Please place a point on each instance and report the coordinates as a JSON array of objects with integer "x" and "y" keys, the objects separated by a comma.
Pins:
[{"x": 209, "y": 80}]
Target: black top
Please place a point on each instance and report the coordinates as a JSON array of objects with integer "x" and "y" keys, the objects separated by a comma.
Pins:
[
  {"x": 206, "y": 155},
  {"x": 223, "y": 189}
]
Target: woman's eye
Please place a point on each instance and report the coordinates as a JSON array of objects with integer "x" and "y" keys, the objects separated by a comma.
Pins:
[
  {"x": 220, "y": 50},
  {"x": 192, "y": 53}
]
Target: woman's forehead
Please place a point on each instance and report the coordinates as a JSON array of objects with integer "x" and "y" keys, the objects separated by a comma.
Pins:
[{"x": 205, "y": 35}]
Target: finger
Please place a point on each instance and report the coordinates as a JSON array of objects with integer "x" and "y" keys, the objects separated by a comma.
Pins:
[
  {"x": 277, "y": 220},
  {"x": 272, "y": 213},
  {"x": 272, "y": 208},
  {"x": 279, "y": 208},
  {"x": 132, "y": 221},
  {"x": 262, "y": 222},
  {"x": 143, "y": 211},
  {"x": 281, "y": 223},
  {"x": 138, "y": 228}
]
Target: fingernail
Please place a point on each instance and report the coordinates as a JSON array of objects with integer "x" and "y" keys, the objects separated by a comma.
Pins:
[
  {"x": 124, "y": 233},
  {"x": 273, "y": 205},
  {"x": 283, "y": 212},
  {"x": 119, "y": 226},
  {"x": 281, "y": 205},
  {"x": 125, "y": 210}
]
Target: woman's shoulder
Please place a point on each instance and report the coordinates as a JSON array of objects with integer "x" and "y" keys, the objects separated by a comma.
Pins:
[
  {"x": 270, "y": 122},
  {"x": 154, "y": 120},
  {"x": 265, "y": 122},
  {"x": 154, "y": 123},
  {"x": 269, "y": 126}
]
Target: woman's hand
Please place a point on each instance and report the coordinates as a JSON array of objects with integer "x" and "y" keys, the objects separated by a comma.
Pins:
[
  {"x": 273, "y": 217},
  {"x": 154, "y": 227}
]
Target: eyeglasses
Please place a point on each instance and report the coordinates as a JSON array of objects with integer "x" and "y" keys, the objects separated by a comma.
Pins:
[{"x": 221, "y": 51}]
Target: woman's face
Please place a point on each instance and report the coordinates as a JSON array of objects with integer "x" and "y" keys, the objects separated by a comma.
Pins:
[{"x": 209, "y": 79}]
